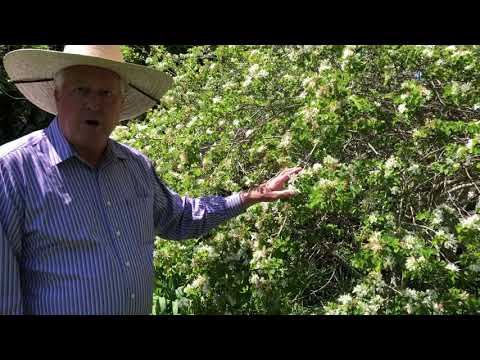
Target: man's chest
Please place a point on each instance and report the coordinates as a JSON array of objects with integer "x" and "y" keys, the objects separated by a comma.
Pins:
[{"x": 74, "y": 207}]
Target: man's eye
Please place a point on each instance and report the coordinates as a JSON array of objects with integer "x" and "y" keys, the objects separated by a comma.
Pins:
[{"x": 81, "y": 90}]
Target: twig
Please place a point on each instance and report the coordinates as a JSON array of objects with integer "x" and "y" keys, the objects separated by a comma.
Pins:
[
  {"x": 462, "y": 186},
  {"x": 371, "y": 147},
  {"x": 436, "y": 93},
  {"x": 281, "y": 227},
  {"x": 325, "y": 285},
  {"x": 311, "y": 152},
  {"x": 468, "y": 174}
]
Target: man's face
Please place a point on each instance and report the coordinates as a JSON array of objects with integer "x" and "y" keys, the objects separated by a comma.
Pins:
[{"x": 88, "y": 104}]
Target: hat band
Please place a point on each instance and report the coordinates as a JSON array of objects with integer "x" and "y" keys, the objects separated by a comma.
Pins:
[{"x": 46, "y": 80}]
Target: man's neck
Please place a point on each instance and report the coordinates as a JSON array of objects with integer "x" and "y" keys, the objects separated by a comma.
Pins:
[{"x": 91, "y": 156}]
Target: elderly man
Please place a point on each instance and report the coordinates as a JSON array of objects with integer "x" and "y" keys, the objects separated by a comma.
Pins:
[{"x": 78, "y": 211}]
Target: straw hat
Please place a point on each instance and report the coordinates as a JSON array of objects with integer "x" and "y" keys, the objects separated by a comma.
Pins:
[{"x": 32, "y": 71}]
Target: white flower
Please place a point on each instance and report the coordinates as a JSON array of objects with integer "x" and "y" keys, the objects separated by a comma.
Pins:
[
  {"x": 409, "y": 308},
  {"x": 236, "y": 122},
  {"x": 228, "y": 85},
  {"x": 401, "y": 108},
  {"x": 471, "y": 143},
  {"x": 471, "y": 222},
  {"x": 316, "y": 167},
  {"x": 247, "y": 82},
  {"x": 253, "y": 69},
  {"x": 329, "y": 160},
  {"x": 451, "y": 267},
  {"x": 465, "y": 87},
  {"x": 286, "y": 139},
  {"x": 391, "y": 163},
  {"x": 413, "y": 263},
  {"x": 409, "y": 241},
  {"x": 345, "y": 299},
  {"x": 411, "y": 293},
  {"x": 325, "y": 184},
  {"x": 209, "y": 249},
  {"x": 201, "y": 282},
  {"x": 262, "y": 73},
  {"x": 309, "y": 112},
  {"x": 428, "y": 51},
  {"x": 451, "y": 243},
  {"x": 209, "y": 131},
  {"x": 437, "y": 217},
  {"x": 302, "y": 95},
  {"x": 259, "y": 254},
  {"x": 347, "y": 52},
  {"x": 372, "y": 219},
  {"x": 324, "y": 65},
  {"x": 217, "y": 99},
  {"x": 257, "y": 281},
  {"x": 414, "y": 169},
  {"x": 476, "y": 106},
  {"x": 248, "y": 133},
  {"x": 374, "y": 242},
  {"x": 361, "y": 290}
]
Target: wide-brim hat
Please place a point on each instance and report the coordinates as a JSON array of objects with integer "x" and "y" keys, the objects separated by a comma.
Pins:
[{"x": 33, "y": 70}]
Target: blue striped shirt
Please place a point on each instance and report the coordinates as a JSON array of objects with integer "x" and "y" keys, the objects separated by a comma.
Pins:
[{"x": 79, "y": 240}]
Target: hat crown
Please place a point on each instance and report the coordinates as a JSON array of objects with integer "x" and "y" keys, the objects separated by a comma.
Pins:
[{"x": 108, "y": 52}]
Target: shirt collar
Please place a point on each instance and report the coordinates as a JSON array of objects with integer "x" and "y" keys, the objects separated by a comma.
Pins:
[{"x": 62, "y": 150}]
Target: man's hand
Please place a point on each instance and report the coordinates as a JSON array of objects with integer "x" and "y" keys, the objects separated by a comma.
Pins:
[{"x": 271, "y": 190}]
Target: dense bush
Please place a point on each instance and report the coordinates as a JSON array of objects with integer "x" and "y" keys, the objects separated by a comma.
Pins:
[{"x": 385, "y": 218}]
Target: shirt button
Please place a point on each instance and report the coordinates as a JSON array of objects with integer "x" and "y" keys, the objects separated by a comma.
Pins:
[
  {"x": 109, "y": 203},
  {"x": 118, "y": 233},
  {"x": 127, "y": 263},
  {"x": 132, "y": 296}
]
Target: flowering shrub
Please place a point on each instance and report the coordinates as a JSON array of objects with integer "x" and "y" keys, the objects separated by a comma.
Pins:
[{"x": 386, "y": 219}]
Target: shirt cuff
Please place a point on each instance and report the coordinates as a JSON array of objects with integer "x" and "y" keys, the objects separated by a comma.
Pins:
[{"x": 234, "y": 205}]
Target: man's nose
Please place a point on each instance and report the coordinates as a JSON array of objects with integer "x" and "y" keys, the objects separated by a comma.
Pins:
[{"x": 93, "y": 101}]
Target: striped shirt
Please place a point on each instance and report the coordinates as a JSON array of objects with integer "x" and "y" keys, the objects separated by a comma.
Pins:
[{"x": 79, "y": 240}]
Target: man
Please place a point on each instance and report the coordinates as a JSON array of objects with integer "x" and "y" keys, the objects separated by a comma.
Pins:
[{"x": 78, "y": 211}]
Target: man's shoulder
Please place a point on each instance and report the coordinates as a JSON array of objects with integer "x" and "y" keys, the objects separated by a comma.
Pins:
[{"x": 17, "y": 148}]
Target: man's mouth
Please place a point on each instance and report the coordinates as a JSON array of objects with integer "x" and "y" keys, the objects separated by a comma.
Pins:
[{"x": 92, "y": 123}]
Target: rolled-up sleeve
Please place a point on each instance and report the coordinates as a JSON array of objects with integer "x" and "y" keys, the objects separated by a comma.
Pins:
[
  {"x": 181, "y": 217},
  {"x": 11, "y": 233}
]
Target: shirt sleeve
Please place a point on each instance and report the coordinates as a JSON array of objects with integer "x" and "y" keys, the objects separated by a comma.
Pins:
[
  {"x": 181, "y": 218},
  {"x": 11, "y": 233}
]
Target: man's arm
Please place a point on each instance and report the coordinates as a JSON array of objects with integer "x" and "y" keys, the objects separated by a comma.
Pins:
[
  {"x": 183, "y": 217},
  {"x": 11, "y": 213},
  {"x": 180, "y": 218}
]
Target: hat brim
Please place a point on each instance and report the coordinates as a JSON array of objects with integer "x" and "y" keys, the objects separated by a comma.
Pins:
[{"x": 34, "y": 64}]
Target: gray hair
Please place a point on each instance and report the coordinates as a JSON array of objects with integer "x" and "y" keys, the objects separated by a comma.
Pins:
[{"x": 59, "y": 78}]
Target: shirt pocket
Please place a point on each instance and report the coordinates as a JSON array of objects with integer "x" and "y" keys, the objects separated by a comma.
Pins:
[
  {"x": 60, "y": 222},
  {"x": 139, "y": 221}
]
